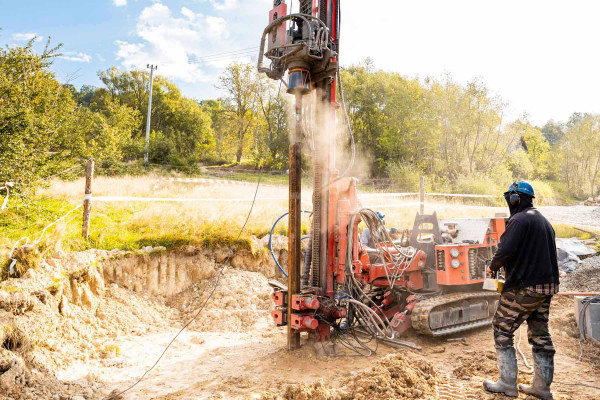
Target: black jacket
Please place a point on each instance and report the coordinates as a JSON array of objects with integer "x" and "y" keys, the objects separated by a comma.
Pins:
[{"x": 527, "y": 249}]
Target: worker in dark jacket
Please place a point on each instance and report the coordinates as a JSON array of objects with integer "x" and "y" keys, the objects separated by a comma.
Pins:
[{"x": 527, "y": 251}]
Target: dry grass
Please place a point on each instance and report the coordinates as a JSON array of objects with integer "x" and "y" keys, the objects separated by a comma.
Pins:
[{"x": 214, "y": 221}]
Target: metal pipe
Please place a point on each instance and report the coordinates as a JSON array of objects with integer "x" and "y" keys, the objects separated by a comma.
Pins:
[{"x": 294, "y": 251}]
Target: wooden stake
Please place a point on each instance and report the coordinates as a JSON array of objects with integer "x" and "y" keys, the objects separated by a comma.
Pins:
[
  {"x": 87, "y": 202},
  {"x": 422, "y": 195}
]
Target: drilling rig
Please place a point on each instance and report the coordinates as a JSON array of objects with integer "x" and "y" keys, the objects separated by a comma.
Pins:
[{"x": 433, "y": 283}]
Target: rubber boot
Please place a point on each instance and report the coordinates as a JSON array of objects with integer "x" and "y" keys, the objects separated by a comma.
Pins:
[
  {"x": 542, "y": 378},
  {"x": 507, "y": 366}
]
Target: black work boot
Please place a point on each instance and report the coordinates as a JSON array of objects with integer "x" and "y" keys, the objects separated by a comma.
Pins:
[
  {"x": 542, "y": 378},
  {"x": 507, "y": 365}
]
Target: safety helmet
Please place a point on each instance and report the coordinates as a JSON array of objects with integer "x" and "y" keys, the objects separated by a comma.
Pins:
[
  {"x": 521, "y": 187},
  {"x": 380, "y": 215}
]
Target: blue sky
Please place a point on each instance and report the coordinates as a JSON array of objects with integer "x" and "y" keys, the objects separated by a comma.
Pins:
[
  {"x": 539, "y": 55},
  {"x": 99, "y": 34}
]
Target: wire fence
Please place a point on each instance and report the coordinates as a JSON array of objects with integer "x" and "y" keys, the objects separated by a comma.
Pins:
[{"x": 28, "y": 216}]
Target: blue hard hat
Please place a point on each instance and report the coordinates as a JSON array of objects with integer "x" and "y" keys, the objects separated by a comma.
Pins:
[
  {"x": 380, "y": 215},
  {"x": 521, "y": 187}
]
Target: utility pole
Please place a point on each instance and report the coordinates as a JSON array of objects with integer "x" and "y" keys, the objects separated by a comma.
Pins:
[{"x": 152, "y": 69}]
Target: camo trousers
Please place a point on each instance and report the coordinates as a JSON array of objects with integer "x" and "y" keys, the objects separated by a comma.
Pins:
[{"x": 517, "y": 306}]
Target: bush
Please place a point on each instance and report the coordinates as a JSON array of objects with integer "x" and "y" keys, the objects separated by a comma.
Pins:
[{"x": 404, "y": 177}]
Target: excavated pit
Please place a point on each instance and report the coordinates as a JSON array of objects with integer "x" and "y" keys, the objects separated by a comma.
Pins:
[
  {"x": 67, "y": 313},
  {"x": 83, "y": 325}
]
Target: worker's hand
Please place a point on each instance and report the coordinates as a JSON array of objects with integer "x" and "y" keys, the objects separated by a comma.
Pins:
[{"x": 490, "y": 272}]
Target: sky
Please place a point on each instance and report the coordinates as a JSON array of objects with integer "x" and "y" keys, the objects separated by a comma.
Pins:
[{"x": 541, "y": 57}]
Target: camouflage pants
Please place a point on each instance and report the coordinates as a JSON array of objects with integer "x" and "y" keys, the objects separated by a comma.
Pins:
[{"x": 517, "y": 306}]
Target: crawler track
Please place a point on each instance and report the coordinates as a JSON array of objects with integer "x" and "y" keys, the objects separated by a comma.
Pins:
[{"x": 452, "y": 313}]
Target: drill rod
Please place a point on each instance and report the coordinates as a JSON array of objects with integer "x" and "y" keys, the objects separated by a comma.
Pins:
[{"x": 295, "y": 234}]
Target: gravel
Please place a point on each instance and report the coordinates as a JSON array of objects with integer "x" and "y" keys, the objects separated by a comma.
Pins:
[
  {"x": 586, "y": 278},
  {"x": 581, "y": 216}
]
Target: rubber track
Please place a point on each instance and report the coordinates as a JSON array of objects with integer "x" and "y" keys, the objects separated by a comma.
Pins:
[{"x": 420, "y": 314}]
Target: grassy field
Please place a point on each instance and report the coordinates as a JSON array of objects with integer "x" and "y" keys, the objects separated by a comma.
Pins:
[{"x": 210, "y": 216}]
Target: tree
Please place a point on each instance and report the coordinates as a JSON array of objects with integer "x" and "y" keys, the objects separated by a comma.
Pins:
[
  {"x": 272, "y": 134},
  {"x": 37, "y": 115},
  {"x": 239, "y": 83},
  {"x": 581, "y": 149},
  {"x": 108, "y": 133},
  {"x": 184, "y": 125},
  {"x": 553, "y": 132}
]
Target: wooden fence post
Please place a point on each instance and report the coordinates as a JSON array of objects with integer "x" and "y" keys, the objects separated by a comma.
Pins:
[
  {"x": 87, "y": 202},
  {"x": 422, "y": 195}
]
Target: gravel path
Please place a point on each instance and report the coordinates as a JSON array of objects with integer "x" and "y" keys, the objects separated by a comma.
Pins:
[{"x": 580, "y": 216}]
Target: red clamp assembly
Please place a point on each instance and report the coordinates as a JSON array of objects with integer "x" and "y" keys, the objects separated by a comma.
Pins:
[
  {"x": 280, "y": 317},
  {"x": 304, "y": 322},
  {"x": 279, "y": 298},
  {"x": 305, "y": 303}
]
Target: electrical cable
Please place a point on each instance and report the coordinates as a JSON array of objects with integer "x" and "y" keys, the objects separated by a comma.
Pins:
[{"x": 219, "y": 275}]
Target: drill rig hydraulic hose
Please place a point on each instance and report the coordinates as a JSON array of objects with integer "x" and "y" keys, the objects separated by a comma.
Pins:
[{"x": 271, "y": 244}]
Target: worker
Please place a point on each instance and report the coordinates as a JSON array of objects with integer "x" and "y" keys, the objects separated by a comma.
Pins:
[
  {"x": 527, "y": 251},
  {"x": 395, "y": 234},
  {"x": 366, "y": 238}
]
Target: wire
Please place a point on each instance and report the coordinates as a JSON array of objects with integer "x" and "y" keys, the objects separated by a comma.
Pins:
[
  {"x": 576, "y": 384},
  {"x": 271, "y": 244},
  {"x": 530, "y": 368},
  {"x": 221, "y": 56},
  {"x": 219, "y": 275}
]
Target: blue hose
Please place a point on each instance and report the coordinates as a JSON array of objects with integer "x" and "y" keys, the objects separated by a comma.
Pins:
[{"x": 271, "y": 244}]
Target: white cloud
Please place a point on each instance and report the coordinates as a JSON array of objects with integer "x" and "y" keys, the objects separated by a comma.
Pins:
[
  {"x": 25, "y": 37},
  {"x": 76, "y": 56},
  {"x": 168, "y": 41},
  {"x": 224, "y": 4},
  {"x": 120, "y": 3}
]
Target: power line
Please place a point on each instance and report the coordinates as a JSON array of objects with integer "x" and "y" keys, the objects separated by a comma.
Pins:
[{"x": 225, "y": 55}]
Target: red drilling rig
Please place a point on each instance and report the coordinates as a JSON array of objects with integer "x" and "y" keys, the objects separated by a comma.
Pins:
[{"x": 344, "y": 289}]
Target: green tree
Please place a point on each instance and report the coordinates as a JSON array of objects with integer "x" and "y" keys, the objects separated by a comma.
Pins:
[
  {"x": 239, "y": 84},
  {"x": 581, "y": 154},
  {"x": 37, "y": 115}
]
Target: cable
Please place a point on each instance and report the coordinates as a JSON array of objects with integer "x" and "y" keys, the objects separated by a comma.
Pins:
[
  {"x": 576, "y": 384},
  {"x": 271, "y": 244},
  {"x": 219, "y": 275},
  {"x": 530, "y": 368}
]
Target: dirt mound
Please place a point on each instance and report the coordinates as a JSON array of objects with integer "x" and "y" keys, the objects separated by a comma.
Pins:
[
  {"x": 476, "y": 364},
  {"x": 242, "y": 299},
  {"x": 396, "y": 376},
  {"x": 586, "y": 278}
]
